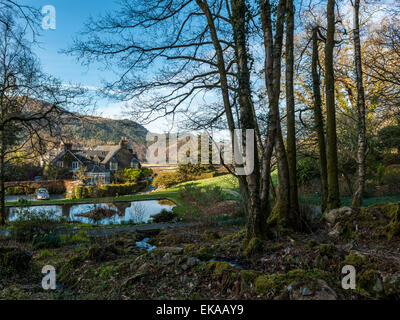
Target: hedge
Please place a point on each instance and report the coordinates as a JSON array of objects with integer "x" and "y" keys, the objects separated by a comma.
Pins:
[
  {"x": 53, "y": 188},
  {"x": 108, "y": 190}
]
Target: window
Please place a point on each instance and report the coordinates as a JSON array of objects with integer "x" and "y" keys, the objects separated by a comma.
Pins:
[
  {"x": 134, "y": 164},
  {"x": 60, "y": 164},
  {"x": 113, "y": 166},
  {"x": 75, "y": 165}
]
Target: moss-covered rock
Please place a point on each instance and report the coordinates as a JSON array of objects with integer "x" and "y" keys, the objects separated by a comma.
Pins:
[
  {"x": 355, "y": 259},
  {"x": 274, "y": 284},
  {"x": 188, "y": 249},
  {"x": 210, "y": 235},
  {"x": 247, "y": 278},
  {"x": 370, "y": 282},
  {"x": 374, "y": 222},
  {"x": 204, "y": 254}
]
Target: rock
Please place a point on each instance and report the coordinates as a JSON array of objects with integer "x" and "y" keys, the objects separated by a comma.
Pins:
[
  {"x": 314, "y": 289},
  {"x": 192, "y": 261},
  {"x": 144, "y": 268},
  {"x": 332, "y": 216},
  {"x": 184, "y": 267},
  {"x": 167, "y": 259},
  {"x": 132, "y": 279},
  {"x": 173, "y": 250}
]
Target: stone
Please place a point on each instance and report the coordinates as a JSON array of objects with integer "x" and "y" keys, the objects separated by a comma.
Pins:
[
  {"x": 173, "y": 250},
  {"x": 314, "y": 289},
  {"x": 332, "y": 216},
  {"x": 143, "y": 268},
  {"x": 167, "y": 259},
  {"x": 192, "y": 261}
]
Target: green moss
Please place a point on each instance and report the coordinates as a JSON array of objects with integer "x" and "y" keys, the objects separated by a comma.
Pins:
[
  {"x": 204, "y": 254},
  {"x": 280, "y": 217},
  {"x": 188, "y": 249},
  {"x": 312, "y": 244},
  {"x": 218, "y": 267},
  {"x": 274, "y": 248},
  {"x": 275, "y": 283},
  {"x": 393, "y": 230},
  {"x": 328, "y": 250},
  {"x": 247, "y": 278},
  {"x": 355, "y": 260},
  {"x": 210, "y": 235},
  {"x": 367, "y": 282},
  {"x": 253, "y": 246}
]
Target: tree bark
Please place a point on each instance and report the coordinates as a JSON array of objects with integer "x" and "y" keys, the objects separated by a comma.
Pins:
[
  {"x": 249, "y": 186},
  {"x": 362, "y": 143},
  {"x": 319, "y": 120},
  {"x": 290, "y": 106},
  {"x": 257, "y": 225},
  {"x": 281, "y": 215},
  {"x": 332, "y": 161}
]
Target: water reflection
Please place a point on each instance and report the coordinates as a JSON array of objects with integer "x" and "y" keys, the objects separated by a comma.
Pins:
[{"x": 101, "y": 213}]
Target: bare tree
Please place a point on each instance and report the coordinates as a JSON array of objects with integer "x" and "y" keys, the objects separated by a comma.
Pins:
[{"x": 32, "y": 104}]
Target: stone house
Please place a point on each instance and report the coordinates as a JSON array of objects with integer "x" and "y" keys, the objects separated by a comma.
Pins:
[{"x": 99, "y": 164}]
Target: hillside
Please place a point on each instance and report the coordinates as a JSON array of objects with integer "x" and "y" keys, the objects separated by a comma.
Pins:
[{"x": 90, "y": 131}]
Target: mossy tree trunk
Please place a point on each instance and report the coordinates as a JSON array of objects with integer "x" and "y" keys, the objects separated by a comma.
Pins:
[
  {"x": 332, "y": 160},
  {"x": 249, "y": 185},
  {"x": 319, "y": 120},
  {"x": 281, "y": 215},
  {"x": 362, "y": 143},
  {"x": 290, "y": 106}
]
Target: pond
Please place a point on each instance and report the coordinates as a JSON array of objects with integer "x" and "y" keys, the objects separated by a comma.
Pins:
[{"x": 101, "y": 213}]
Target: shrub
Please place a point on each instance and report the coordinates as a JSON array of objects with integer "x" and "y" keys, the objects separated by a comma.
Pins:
[
  {"x": 50, "y": 240},
  {"x": 14, "y": 259},
  {"x": 164, "y": 216},
  {"x": 31, "y": 223},
  {"x": 132, "y": 174},
  {"x": 307, "y": 170},
  {"x": 108, "y": 190},
  {"x": 167, "y": 179}
]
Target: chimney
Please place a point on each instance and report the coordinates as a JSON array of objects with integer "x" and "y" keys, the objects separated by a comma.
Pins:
[
  {"x": 67, "y": 146},
  {"x": 123, "y": 143}
]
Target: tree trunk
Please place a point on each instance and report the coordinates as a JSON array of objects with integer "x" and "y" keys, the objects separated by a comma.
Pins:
[
  {"x": 362, "y": 143},
  {"x": 256, "y": 223},
  {"x": 257, "y": 218},
  {"x": 332, "y": 161},
  {"x": 3, "y": 209},
  {"x": 290, "y": 106},
  {"x": 319, "y": 120},
  {"x": 281, "y": 216}
]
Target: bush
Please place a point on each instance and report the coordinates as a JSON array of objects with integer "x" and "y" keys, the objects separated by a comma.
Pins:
[
  {"x": 32, "y": 224},
  {"x": 167, "y": 179},
  {"x": 129, "y": 175},
  {"x": 50, "y": 240},
  {"x": 108, "y": 190},
  {"x": 14, "y": 259},
  {"x": 164, "y": 216},
  {"x": 307, "y": 170}
]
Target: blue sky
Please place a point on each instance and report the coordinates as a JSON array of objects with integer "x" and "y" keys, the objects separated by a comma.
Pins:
[{"x": 70, "y": 18}]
